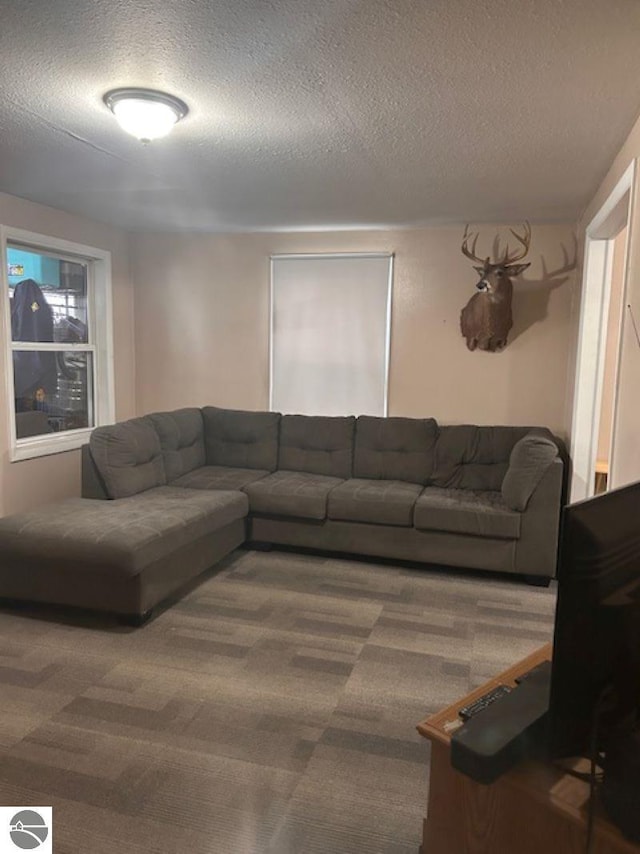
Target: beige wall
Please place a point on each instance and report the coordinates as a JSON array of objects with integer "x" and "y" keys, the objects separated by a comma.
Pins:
[
  {"x": 31, "y": 482},
  {"x": 202, "y": 324}
]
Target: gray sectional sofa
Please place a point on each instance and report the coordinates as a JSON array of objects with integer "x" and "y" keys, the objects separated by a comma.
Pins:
[{"x": 167, "y": 495}]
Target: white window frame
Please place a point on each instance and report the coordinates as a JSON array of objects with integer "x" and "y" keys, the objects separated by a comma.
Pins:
[{"x": 100, "y": 316}]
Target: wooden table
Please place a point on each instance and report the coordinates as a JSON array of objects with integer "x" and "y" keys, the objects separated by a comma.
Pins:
[{"x": 536, "y": 808}]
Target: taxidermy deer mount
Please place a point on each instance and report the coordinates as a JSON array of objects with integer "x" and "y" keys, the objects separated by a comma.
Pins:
[{"x": 486, "y": 319}]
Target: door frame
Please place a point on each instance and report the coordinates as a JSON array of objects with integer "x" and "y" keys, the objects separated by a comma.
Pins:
[{"x": 615, "y": 213}]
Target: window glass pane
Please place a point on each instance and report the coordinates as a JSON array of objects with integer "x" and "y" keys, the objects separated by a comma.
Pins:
[
  {"x": 48, "y": 297},
  {"x": 53, "y": 391}
]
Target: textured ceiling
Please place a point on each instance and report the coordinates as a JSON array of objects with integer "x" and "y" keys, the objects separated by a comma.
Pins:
[{"x": 319, "y": 113}]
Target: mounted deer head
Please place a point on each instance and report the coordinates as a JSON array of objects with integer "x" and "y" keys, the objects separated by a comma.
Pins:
[{"x": 486, "y": 319}]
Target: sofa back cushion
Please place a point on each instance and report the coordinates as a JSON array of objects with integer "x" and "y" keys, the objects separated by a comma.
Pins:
[
  {"x": 470, "y": 457},
  {"x": 181, "y": 439},
  {"x": 318, "y": 444},
  {"x": 241, "y": 439},
  {"x": 128, "y": 457},
  {"x": 394, "y": 448}
]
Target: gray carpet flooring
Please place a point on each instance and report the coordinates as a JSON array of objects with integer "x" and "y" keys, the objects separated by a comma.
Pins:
[{"x": 272, "y": 709}]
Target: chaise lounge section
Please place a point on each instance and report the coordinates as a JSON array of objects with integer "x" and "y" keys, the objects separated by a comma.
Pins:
[{"x": 168, "y": 495}]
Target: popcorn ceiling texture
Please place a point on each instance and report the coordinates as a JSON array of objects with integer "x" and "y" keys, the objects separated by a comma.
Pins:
[{"x": 319, "y": 113}]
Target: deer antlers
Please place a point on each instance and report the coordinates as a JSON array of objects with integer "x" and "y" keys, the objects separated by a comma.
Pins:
[
  {"x": 524, "y": 239},
  {"x": 471, "y": 253}
]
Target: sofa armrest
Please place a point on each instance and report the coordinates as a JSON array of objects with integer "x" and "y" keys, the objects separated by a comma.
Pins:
[
  {"x": 529, "y": 460},
  {"x": 537, "y": 548}
]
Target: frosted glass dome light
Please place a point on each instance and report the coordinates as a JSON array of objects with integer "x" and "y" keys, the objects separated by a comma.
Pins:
[{"x": 145, "y": 113}]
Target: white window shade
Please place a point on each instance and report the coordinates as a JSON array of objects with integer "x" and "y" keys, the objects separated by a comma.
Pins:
[{"x": 330, "y": 324}]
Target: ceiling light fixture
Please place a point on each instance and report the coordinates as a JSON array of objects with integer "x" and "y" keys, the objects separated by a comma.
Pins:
[{"x": 145, "y": 113}]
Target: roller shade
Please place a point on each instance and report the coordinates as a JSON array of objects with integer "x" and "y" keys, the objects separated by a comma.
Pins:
[{"x": 330, "y": 324}]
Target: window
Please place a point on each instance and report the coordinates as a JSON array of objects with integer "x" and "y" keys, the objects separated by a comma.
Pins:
[
  {"x": 57, "y": 315},
  {"x": 330, "y": 328}
]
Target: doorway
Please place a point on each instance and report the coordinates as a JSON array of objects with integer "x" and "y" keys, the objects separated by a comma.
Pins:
[
  {"x": 612, "y": 329},
  {"x": 597, "y": 385}
]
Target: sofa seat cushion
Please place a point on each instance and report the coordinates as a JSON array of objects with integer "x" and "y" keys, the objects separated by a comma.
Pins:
[
  {"x": 292, "y": 493},
  {"x": 219, "y": 477},
  {"x": 465, "y": 511},
  {"x": 124, "y": 535},
  {"x": 384, "y": 502}
]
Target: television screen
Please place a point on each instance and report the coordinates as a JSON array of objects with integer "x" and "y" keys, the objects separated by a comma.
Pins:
[{"x": 596, "y": 649}]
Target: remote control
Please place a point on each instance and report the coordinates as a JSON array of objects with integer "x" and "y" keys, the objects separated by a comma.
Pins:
[{"x": 481, "y": 703}]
